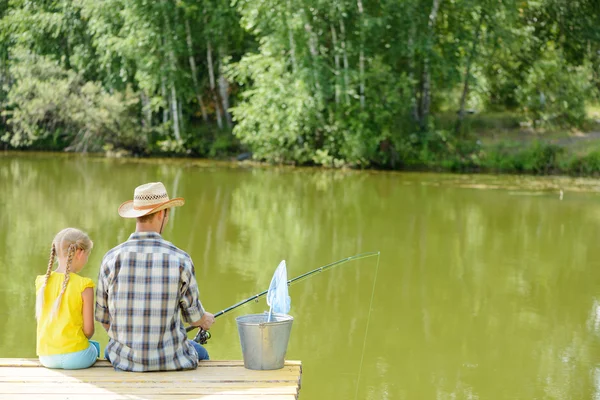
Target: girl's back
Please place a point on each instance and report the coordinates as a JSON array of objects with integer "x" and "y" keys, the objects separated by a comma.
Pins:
[
  {"x": 63, "y": 332},
  {"x": 64, "y": 305}
]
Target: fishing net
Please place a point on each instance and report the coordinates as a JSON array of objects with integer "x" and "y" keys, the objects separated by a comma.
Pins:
[{"x": 277, "y": 297}]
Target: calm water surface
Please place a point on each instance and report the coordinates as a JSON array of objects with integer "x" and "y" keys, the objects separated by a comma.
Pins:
[{"x": 488, "y": 287}]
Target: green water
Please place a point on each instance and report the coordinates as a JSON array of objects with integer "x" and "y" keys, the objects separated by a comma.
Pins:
[{"x": 488, "y": 287}]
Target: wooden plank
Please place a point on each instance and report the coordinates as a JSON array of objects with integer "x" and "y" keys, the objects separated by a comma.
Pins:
[
  {"x": 8, "y": 386},
  {"x": 117, "y": 396},
  {"x": 199, "y": 371},
  {"x": 180, "y": 375},
  {"x": 23, "y": 379},
  {"x": 141, "y": 380},
  {"x": 294, "y": 381},
  {"x": 45, "y": 380},
  {"x": 34, "y": 362},
  {"x": 84, "y": 389}
]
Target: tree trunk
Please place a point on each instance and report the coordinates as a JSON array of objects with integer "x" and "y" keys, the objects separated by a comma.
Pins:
[
  {"x": 4, "y": 83},
  {"x": 425, "y": 96},
  {"x": 412, "y": 73},
  {"x": 313, "y": 44},
  {"x": 361, "y": 59},
  {"x": 314, "y": 51},
  {"x": 180, "y": 113},
  {"x": 345, "y": 58},
  {"x": 169, "y": 40},
  {"x": 146, "y": 110},
  {"x": 175, "y": 113},
  {"x": 426, "y": 89},
  {"x": 211, "y": 76},
  {"x": 292, "y": 51},
  {"x": 194, "y": 70},
  {"x": 292, "y": 42},
  {"x": 224, "y": 92},
  {"x": 336, "y": 57},
  {"x": 595, "y": 58},
  {"x": 472, "y": 55},
  {"x": 163, "y": 93}
]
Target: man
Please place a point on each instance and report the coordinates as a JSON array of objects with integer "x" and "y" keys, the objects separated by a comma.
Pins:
[{"x": 144, "y": 285}]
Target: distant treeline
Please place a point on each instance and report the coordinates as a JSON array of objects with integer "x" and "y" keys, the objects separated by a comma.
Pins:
[{"x": 334, "y": 82}]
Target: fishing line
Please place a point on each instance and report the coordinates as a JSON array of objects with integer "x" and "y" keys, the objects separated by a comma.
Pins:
[
  {"x": 362, "y": 356},
  {"x": 289, "y": 283}
]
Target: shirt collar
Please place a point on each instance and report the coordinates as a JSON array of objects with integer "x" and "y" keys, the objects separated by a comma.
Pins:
[{"x": 144, "y": 235}]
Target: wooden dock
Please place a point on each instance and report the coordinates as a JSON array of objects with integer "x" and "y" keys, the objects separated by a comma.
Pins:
[{"x": 22, "y": 379}]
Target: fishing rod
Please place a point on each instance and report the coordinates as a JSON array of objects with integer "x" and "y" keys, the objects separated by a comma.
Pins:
[{"x": 203, "y": 336}]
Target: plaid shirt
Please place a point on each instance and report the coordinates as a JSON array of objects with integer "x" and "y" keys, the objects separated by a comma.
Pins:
[{"x": 143, "y": 286}]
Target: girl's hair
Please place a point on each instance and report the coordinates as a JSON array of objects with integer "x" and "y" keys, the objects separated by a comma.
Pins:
[{"x": 66, "y": 242}]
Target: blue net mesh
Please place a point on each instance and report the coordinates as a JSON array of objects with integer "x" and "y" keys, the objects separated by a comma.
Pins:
[{"x": 277, "y": 296}]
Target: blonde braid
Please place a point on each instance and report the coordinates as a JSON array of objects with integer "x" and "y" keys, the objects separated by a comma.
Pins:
[
  {"x": 70, "y": 254},
  {"x": 39, "y": 301}
]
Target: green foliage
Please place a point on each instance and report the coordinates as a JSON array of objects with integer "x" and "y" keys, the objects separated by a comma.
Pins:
[
  {"x": 277, "y": 116},
  {"x": 200, "y": 141},
  {"x": 588, "y": 164},
  {"x": 48, "y": 102},
  {"x": 541, "y": 158},
  {"x": 334, "y": 83},
  {"x": 554, "y": 93}
]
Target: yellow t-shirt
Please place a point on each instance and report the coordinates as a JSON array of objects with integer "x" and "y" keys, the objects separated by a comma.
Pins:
[{"x": 64, "y": 333}]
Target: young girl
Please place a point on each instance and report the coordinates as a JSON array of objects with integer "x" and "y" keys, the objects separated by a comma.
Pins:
[{"x": 65, "y": 305}]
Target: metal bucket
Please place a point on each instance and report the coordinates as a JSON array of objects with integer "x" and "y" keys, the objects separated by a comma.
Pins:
[{"x": 264, "y": 344}]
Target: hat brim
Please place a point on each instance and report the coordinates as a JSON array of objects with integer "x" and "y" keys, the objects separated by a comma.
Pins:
[{"x": 126, "y": 209}]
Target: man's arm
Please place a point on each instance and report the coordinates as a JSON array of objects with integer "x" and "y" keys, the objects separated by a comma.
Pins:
[
  {"x": 205, "y": 322},
  {"x": 191, "y": 307},
  {"x": 102, "y": 314}
]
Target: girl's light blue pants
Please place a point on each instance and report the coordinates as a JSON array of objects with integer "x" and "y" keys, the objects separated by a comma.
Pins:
[{"x": 76, "y": 360}]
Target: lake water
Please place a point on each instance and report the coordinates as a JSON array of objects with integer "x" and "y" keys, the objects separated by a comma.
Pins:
[{"x": 487, "y": 286}]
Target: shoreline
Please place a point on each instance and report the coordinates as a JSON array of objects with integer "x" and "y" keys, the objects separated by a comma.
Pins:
[{"x": 558, "y": 162}]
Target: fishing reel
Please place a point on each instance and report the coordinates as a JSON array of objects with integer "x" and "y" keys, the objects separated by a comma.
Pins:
[{"x": 202, "y": 336}]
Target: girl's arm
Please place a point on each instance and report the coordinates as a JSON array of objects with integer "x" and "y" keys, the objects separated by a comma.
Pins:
[{"x": 88, "y": 312}]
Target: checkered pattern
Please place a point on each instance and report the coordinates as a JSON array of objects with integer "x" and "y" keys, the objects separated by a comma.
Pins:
[
  {"x": 146, "y": 197},
  {"x": 144, "y": 285}
]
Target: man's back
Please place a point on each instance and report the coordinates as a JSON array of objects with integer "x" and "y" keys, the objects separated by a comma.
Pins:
[{"x": 143, "y": 285}]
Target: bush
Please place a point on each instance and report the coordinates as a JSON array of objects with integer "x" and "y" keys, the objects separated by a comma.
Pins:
[
  {"x": 542, "y": 158},
  {"x": 439, "y": 150},
  {"x": 276, "y": 117},
  {"x": 554, "y": 92},
  {"x": 289, "y": 115},
  {"x": 47, "y": 104},
  {"x": 203, "y": 140},
  {"x": 588, "y": 164}
]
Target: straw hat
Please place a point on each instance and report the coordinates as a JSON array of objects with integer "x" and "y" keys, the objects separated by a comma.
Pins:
[{"x": 148, "y": 199}]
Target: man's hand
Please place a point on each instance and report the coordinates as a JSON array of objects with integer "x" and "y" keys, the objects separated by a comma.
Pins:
[{"x": 206, "y": 321}]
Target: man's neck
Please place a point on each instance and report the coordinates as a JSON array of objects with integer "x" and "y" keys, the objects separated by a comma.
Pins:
[{"x": 139, "y": 228}]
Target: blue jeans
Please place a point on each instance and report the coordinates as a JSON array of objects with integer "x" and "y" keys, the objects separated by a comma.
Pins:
[
  {"x": 202, "y": 352},
  {"x": 76, "y": 360}
]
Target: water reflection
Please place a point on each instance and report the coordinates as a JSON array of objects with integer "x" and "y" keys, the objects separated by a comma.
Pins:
[{"x": 486, "y": 287}]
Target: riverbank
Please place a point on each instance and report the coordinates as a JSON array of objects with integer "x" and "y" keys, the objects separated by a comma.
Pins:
[
  {"x": 490, "y": 143},
  {"x": 502, "y": 143}
]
